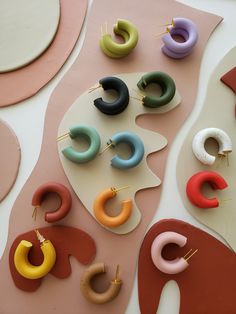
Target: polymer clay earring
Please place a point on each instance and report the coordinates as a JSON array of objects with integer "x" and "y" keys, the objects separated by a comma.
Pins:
[
  {"x": 25, "y": 268},
  {"x": 136, "y": 146},
  {"x": 100, "y": 212},
  {"x": 120, "y": 103},
  {"x": 195, "y": 183},
  {"x": 91, "y": 135},
  {"x": 167, "y": 85},
  {"x": 177, "y": 265},
  {"x": 198, "y": 145},
  {"x": 128, "y": 32},
  {"x": 93, "y": 296},
  {"x": 61, "y": 191},
  {"x": 185, "y": 28}
]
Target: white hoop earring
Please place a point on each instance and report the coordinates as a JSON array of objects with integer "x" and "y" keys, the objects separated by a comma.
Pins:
[{"x": 224, "y": 142}]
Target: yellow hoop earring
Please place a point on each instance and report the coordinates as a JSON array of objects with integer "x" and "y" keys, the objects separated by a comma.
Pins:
[
  {"x": 25, "y": 268},
  {"x": 124, "y": 29}
]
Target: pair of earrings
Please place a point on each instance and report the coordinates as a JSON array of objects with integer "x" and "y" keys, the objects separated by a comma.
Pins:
[
  {"x": 162, "y": 79},
  {"x": 30, "y": 271},
  {"x": 177, "y": 265},
  {"x": 127, "y": 31},
  {"x": 99, "y": 206},
  {"x": 93, "y": 138},
  {"x": 223, "y": 140},
  {"x": 183, "y": 28}
]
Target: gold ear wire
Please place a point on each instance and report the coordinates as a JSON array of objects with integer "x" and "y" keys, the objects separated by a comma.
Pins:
[
  {"x": 120, "y": 189},
  {"x": 117, "y": 276},
  {"x": 227, "y": 158},
  {"x": 163, "y": 33},
  {"x": 139, "y": 94},
  {"x": 34, "y": 214},
  {"x": 187, "y": 256},
  {"x": 106, "y": 148},
  {"x": 222, "y": 202},
  {"x": 91, "y": 89},
  {"x": 136, "y": 98},
  {"x": 106, "y": 29},
  {"x": 169, "y": 24},
  {"x": 62, "y": 137},
  {"x": 39, "y": 236}
]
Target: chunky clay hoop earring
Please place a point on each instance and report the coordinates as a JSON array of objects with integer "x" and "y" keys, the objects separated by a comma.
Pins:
[
  {"x": 94, "y": 140},
  {"x": 175, "y": 266},
  {"x": 136, "y": 146},
  {"x": 61, "y": 191},
  {"x": 100, "y": 212},
  {"x": 25, "y": 268},
  {"x": 129, "y": 33},
  {"x": 119, "y": 104},
  {"x": 198, "y": 145},
  {"x": 184, "y": 28},
  {"x": 93, "y": 296},
  {"x": 195, "y": 183},
  {"x": 167, "y": 85}
]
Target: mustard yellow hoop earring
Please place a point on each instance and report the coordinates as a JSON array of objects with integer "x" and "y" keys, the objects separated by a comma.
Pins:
[{"x": 25, "y": 268}]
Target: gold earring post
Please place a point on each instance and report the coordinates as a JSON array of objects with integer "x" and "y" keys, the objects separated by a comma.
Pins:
[
  {"x": 106, "y": 148},
  {"x": 39, "y": 236},
  {"x": 94, "y": 88},
  {"x": 122, "y": 188},
  {"x": 62, "y": 137},
  {"x": 187, "y": 258}
]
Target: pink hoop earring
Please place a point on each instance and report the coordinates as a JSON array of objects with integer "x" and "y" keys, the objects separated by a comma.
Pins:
[{"x": 174, "y": 266}]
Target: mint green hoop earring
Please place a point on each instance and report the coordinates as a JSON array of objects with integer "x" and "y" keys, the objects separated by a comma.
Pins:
[{"x": 91, "y": 136}]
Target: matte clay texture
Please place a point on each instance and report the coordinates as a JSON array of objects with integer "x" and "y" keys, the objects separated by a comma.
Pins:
[
  {"x": 81, "y": 176},
  {"x": 67, "y": 242},
  {"x": 206, "y": 286},
  {"x": 90, "y": 66},
  {"x": 28, "y": 80},
  {"x": 9, "y": 159},
  {"x": 23, "y": 36},
  {"x": 219, "y": 102}
]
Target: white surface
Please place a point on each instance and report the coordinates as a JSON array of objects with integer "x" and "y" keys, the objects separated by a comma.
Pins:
[
  {"x": 27, "y": 27},
  {"x": 26, "y": 128}
]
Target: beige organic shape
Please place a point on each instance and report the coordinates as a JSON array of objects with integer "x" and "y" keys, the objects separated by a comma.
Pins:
[
  {"x": 217, "y": 112},
  {"x": 89, "y": 179}
]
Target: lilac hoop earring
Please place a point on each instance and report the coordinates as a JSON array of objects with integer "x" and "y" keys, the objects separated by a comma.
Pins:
[{"x": 184, "y": 28}]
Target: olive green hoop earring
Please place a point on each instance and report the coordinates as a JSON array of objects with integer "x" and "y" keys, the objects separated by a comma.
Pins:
[{"x": 167, "y": 85}]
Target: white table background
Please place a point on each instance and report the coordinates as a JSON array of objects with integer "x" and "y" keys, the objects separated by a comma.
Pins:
[{"x": 27, "y": 120}]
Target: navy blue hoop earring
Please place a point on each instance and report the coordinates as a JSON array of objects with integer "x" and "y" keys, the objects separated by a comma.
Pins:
[{"x": 120, "y": 104}]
